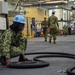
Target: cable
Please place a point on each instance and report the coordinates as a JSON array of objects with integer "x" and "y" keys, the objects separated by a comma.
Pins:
[{"x": 37, "y": 63}]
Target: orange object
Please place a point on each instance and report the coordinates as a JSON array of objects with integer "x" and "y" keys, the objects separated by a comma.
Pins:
[{"x": 41, "y": 33}]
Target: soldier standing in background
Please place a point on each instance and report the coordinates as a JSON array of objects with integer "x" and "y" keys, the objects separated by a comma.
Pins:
[
  {"x": 44, "y": 27},
  {"x": 65, "y": 30},
  {"x": 69, "y": 30},
  {"x": 53, "y": 24}
]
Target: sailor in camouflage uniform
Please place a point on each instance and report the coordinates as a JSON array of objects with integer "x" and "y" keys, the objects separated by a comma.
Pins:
[
  {"x": 44, "y": 27},
  {"x": 12, "y": 42},
  {"x": 65, "y": 30},
  {"x": 53, "y": 24}
]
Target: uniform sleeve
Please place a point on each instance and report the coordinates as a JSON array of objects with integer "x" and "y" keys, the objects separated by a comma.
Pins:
[
  {"x": 22, "y": 46},
  {"x": 42, "y": 23},
  {"x": 57, "y": 21},
  {"x": 6, "y": 45},
  {"x": 48, "y": 21}
]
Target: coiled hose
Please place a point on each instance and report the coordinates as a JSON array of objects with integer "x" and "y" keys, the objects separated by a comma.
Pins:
[{"x": 37, "y": 63}]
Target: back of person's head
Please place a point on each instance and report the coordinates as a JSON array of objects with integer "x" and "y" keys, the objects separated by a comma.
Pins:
[{"x": 53, "y": 11}]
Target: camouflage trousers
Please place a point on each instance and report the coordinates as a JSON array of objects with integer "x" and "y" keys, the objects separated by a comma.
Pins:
[
  {"x": 53, "y": 33},
  {"x": 45, "y": 34},
  {"x": 64, "y": 32}
]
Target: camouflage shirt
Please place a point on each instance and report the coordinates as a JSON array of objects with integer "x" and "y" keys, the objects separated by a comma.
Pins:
[
  {"x": 65, "y": 28},
  {"x": 52, "y": 21},
  {"x": 45, "y": 23},
  {"x": 10, "y": 40}
]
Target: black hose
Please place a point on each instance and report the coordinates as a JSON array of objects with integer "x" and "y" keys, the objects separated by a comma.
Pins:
[
  {"x": 28, "y": 64},
  {"x": 34, "y": 53},
  {"x": 49, "y": 54},
  {"x": 70, "y": 71},
  {"x": 54, "y": 55}
]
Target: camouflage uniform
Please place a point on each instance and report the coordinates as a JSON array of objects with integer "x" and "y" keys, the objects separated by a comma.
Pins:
[
  {"x": 52, "y": 22},
  {"x": 65, "y": 30},
  {"x": 12, "y": 44},
  {"x": 44, "y": 26}
]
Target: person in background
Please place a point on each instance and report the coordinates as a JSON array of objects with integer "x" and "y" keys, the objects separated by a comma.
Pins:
[
  {"x": 65, "y": 30},
  {"x": 44, "y": 27},
  {"x": 52, "y": 25},
  {"x": 69, "y": 30},
  {"x": 12, "y": 42}
]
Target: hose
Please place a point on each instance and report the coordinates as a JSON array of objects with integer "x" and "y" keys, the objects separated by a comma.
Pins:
[
  {"x": 70, "y": 71},
  {"x": 55, "y": 54},
  {"x": 44, "y": 55}
]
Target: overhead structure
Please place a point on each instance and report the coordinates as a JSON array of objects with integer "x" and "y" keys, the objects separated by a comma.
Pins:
[{"x": 48, "y": 4}]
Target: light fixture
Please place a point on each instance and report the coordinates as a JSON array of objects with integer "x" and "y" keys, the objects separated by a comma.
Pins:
[
  {"x": 55, "y": 1},
  {"x": 56, "y": 6},
  {"x": 64, "y": 11},
  {"x": 71, "y": 0},
  {"x": 71, "y": 13}
]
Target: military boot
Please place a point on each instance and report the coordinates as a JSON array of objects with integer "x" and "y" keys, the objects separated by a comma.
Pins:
[
  {"x": 22, "y": 58},
  {"x": 3, "y": 60},
  {"x": 54, "y": 41},
  {"x": 45, "y": 40},
  {"x": 49, "y": 40}
]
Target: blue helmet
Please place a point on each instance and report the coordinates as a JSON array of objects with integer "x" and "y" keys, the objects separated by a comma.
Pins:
[
  {"x": 53, "y": 11},
  {"x": 19, "y": 18}
]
